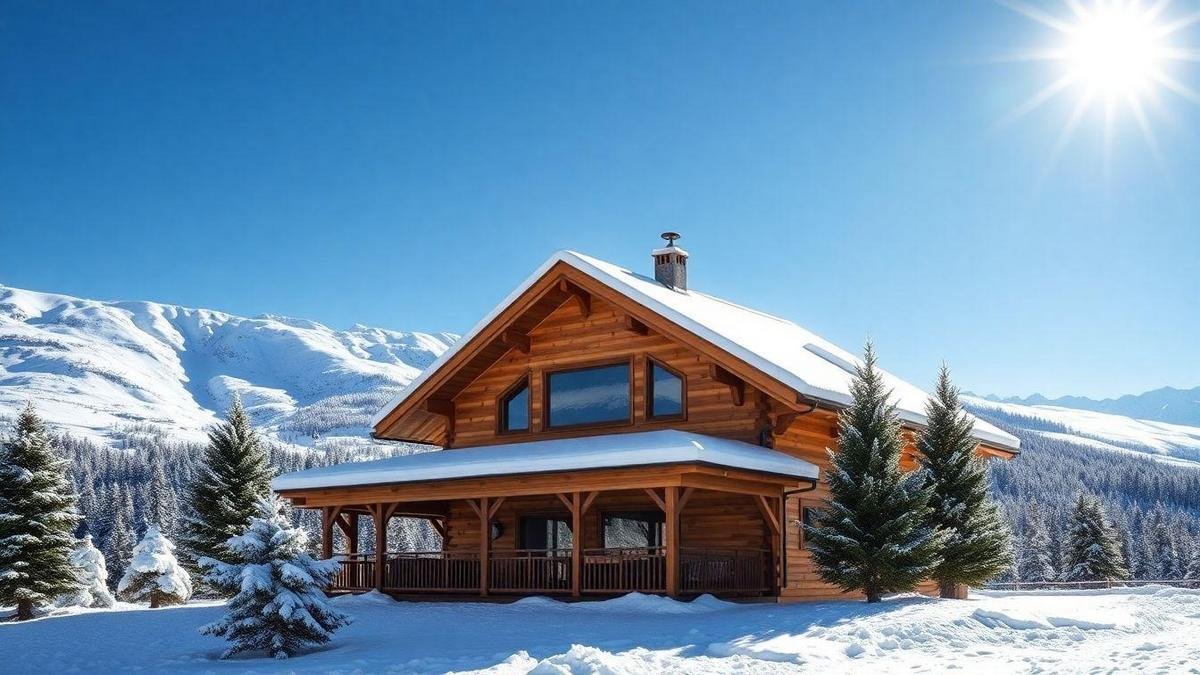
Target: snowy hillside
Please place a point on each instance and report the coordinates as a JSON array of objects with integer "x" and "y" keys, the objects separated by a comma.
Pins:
[
  {"x": 113, "y": 370},
  {"x": 1166, "y": 442},
  {"x": 1168, "y": 404}
]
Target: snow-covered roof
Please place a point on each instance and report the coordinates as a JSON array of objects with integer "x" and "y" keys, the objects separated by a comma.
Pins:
[
  {"x": 780, "y": 348},
  {"x": 645, "y": 448}
]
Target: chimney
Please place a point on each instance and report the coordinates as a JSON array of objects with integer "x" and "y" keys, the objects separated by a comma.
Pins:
[{"x": 670, "y": 263}]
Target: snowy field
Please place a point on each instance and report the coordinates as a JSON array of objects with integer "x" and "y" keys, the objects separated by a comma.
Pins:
[{"x": 1151, "y": 629}]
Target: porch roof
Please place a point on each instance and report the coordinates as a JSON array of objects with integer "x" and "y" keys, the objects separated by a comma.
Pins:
[{"x": 610, "y": 451}]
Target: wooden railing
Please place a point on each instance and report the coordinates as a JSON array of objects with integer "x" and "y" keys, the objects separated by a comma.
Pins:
[
  {"x": 357, "y": 573},
  {"x": 605, "y": 571},
  {"x": 531, "y": 570},
  {"x": 419, "y": 571},
  {"x": 724, "y": 570},
  {"x": 621, "y": 570}
]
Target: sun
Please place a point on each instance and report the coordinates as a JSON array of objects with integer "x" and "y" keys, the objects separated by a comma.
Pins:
[
  {"x": 1115, "y": 50},
  {"x": 1115, "y": 55}
]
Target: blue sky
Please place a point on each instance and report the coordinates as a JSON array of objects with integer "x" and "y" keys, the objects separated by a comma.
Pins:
[{"x": 404, "y": 165}]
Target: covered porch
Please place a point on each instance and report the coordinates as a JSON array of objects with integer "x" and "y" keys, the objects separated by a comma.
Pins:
[{"x": 684, "y": 521}]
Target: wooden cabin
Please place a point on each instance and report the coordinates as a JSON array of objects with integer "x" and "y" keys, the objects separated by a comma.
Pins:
[{"x": 604, "y": 432}]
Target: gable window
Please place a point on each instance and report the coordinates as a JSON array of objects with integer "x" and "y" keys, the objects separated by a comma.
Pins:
[
  {"x": 514, "y": 407},
  {"x": 595, "y": 395},
  {"x": 664, "y": 392},
  {"x": 634, "y": 529}
]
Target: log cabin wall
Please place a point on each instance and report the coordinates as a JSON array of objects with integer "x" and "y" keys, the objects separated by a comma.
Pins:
[
  {"x": 710, "y": 520},
  {"x": 566, "y": 339}
]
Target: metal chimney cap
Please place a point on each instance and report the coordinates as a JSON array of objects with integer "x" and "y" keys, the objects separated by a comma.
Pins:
[{"x": 671, "y": 237}]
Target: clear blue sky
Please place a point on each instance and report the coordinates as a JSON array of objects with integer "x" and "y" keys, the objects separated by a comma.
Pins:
[{"x": 405, "y": 164}]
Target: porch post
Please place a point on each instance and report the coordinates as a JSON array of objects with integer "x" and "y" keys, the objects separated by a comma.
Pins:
[
  {"x": 327, "y": 532},
  {"x": 352, "y": 532},
  {"x": 672, "y": 537},
  {"x": 485, "y": 545},
  {"x": 380, "y": 512},
  {"x": 576, "y": 543}
]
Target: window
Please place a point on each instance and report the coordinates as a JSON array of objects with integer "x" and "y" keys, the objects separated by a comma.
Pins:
[
  {"x": 514, "y": 407},
  {"x": 808, "y": 517},
  {"x": 664, "y": 392},
  {"x": 636, "y": 529},
  {"x": 595, "y": 395},
  {"x": 544, "y": 533}
]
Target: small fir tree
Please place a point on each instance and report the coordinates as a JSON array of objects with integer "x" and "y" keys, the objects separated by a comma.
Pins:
[
  {"x": 154, "y": 574},
  {"x": 1163, "y": 559},
  {"x": 278, "y": 603},
  {"x": 873, "y": 533},
  {"x": 225, "y": 490},
  {"x": 92, "y": 575},
  {"x": 1193, "y": 568},
  {"x": 976, "y": 543},
  {"x": 1035, "y": 563},
  {"x": 1093, "y": 553},
  {"x": 37, "y": 518}
]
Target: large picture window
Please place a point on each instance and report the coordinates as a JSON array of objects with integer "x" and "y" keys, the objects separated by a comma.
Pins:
[
  {"x": 595, "y": 395},
  {"x": 664, "y": 394},
  {"x": 544, "y": 533}
]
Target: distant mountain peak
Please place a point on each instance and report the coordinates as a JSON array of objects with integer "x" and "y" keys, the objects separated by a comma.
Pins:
[{"x": 1165, "y": 404}]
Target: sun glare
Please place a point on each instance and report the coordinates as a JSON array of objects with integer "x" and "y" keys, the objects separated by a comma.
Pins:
[
  {"x": 1114, "y": 50},
  {"x": 1114, "y": 55}
]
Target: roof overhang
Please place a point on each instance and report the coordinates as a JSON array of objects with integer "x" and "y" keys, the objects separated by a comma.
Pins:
[{"x": 617, "y": 451}]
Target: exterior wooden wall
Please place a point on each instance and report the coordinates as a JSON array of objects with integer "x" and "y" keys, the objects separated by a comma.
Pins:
[
  {"x": 709, "y": 520},
  {"x": 566, "y": 339}
]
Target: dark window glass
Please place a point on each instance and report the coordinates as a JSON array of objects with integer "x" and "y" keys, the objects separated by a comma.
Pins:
[
  {"x": 516, "y": 409},
  {"x": 541, "y": 533},
  {"x": 809, "y": 515},
  {"x": 642, "y": 529},
  {"x": 589, "y": 395},
  {"x": 666, "y": 392}
]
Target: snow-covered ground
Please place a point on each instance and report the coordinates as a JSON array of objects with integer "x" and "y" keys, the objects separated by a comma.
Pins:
[{"x": 1150, "y": 629}]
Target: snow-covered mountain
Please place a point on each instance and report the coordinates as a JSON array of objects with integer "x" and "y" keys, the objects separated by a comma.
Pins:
[
  {"x": 112, "y": 370},
  {"x": 1116, "y": 433},
  {"x": 1168, "y": 404}
]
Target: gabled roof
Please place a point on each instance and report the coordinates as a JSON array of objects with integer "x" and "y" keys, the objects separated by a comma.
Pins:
[
  {"x": 647, "y": 448},
  {"x": 781, "y": 349}
]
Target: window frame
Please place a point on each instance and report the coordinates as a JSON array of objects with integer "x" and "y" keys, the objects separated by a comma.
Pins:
[
  {"x": 524, "y": 516},
  {"x": 502, "y": 406},
  {"x": 651, "y": 364},
  {"x": 805, "y": 509},
  {"x": 547, "y": 421}
]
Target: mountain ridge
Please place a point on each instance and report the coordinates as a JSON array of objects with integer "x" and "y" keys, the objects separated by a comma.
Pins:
[{"x": 1166, "y": 404}]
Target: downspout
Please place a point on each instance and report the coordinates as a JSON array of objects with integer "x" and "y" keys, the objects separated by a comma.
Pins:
[{"x": 766, "y": 434}]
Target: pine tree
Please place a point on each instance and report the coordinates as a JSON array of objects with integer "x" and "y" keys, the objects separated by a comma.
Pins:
[
  {"x": 278, "y": 603},
  {"x": 225, "y": 490},
  {"x": 159, "y": 507},
  {"x": 1035, "y": 561},
  {"x": 1093, "y": 553},
  {"x": 1163, "y": 560},
  {"x": 119, "y": 543},
  {"x": 1193, "y": 568},
  {"x": 872, "y": 534},
  {"x": 977, "y": 543},
  {"x": 154, "y": 574},
  {"x": 92, "y": 575},
  {"x": 37, "y": 517}
]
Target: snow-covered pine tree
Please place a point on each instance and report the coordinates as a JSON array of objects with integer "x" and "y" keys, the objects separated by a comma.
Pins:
[
  {"x": 1093, "y": 553},
  {"x": 118, "y": 545},
  {"x": 1193, "y": 569},
  {"x": 159, "y": 506},
  {"x": 92, "y": 575},
  {"x": 976, "y": 542},
  {"x": 873, "y": 534},
  {"x": 154, "y": 574},
  {"x": 225, "y": 490},
  {"x": 1035, "y": 562},
  {"x": 278, "y": 603},
  {"x": 1163, "y": 560},
  {"x": 37, "y": 517}
]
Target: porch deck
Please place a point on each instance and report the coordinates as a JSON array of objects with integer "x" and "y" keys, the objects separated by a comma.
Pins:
[{"x": 603, "y": 571}]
